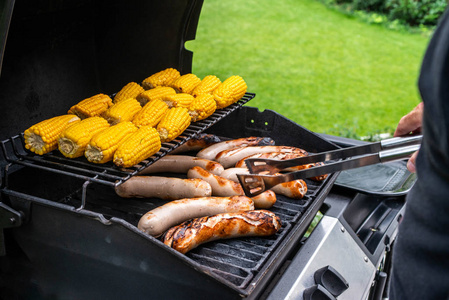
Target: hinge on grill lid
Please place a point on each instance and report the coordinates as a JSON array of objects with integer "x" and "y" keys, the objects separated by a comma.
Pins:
[{"x": 8, "y": 218}]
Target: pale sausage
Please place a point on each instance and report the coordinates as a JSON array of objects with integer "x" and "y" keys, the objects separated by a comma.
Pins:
[
  {"x": 220, "y": 186},
  {"x": 168, "y": 188},
  {"x": 158, "y": 220},
  {"x": 181, "y": 164}
]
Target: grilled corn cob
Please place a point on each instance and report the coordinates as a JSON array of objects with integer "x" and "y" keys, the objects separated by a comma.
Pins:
[
  {"x": 131, "y": 90},
  {"x": 174, "y": 122},
  {"x": 186, "y": 83},
  {"x": 91, "y": 107},
  {"x": 122, "y": 111},
  {"x": 137, "y": 146},
  {"x": 230, "y": 91},
  {"x": 151, "y": 113},
  {"x": 102, "y": 146},
  {"x": 202, "y": 107},
  {"x": 206, "y": 86},
  {"x": 155, "y": 93},
  {"x": 42, "y": 137},
  {"x": 163, "y": 78},
  {"x": 178, "y": 100},
  {"x": 73, "y": 141}
]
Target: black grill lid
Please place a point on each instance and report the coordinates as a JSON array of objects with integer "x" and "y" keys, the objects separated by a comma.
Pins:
[{"x": 59, "y": 52}]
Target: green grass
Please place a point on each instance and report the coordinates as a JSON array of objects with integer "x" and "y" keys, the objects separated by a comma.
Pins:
[{"x": 325, "y": 70}]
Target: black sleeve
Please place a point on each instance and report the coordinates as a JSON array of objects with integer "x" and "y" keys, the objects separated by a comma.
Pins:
[{"x": 421, "y": 251}]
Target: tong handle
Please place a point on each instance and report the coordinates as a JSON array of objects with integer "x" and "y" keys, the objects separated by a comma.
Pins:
[{"x": 400, "y": 141}]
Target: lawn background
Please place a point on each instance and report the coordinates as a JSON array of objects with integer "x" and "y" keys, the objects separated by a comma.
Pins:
[{"x": 328, "y": 72}]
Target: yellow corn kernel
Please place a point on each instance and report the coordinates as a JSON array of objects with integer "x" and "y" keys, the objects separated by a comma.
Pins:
[
  {"x": 42, "y": 137},
  {"x": 174, "y": 122},
  {"x": 151, "y": 113},
  {"x": 91, "y": 107},
  {"x": 131, "y": 90},
  {"x": 138, "y": 146},
  {"x": 163, "y": 78},
  {"x": 230, "y": 91},
  {"x": 178, "y": 100},
  {"x": 156, "y": 93},
  {"x": 103, "y": 145},
  {"x": 122, "y": 111},
  {"x": 73, "y": 141},
  {"x": 207, "y": 85},
  {"x": 186, "y": 83},
  {"x": 202, "y": 107}
]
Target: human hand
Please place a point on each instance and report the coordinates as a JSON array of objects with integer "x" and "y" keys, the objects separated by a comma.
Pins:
[{"x": 411, "y": 123}]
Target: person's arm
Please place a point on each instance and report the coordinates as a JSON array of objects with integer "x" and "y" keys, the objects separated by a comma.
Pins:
[{"x": 411, "y": 123}]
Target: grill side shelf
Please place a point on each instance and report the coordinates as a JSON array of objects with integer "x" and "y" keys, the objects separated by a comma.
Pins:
[{"x": 106, "y": 174}]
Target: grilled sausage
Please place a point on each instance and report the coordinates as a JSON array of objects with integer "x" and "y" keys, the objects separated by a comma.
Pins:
[
  {"x": 198, "y": 142},
  {"x": 220, "y": 186},
  {"x": 181, "y": 164},
  {"x": 211, "y": 151},
  {"x": 195, "y": 232},
  {"x": 228, "y": 158},
  {"x": 316, "y": 178},
  {"x": 231, "y": 173},
  {"x": 270, "y": 155},
  {"x": 295, "y": 189},
  {"x": 264, "y": 200},
  {"x": 158, "y": 220},
  {"x": 168, "y": 188}
]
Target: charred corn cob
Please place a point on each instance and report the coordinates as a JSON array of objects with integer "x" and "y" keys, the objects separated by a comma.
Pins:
[
  {"x": 230, "y": 91},
  {"x": 91, "y": 107},
  {"x": 206, "y": 86},
  {"x": 103, "y": 145},
  {"x": 137, "y": 146},
  {"x": 151, "y": 113},
  {"x": 163, "y": 78},
  {"x": 156, "y": 93},
  {"x": 42, "y": 137},
  {"x": 186, "y": 83},
  {"x": 131, "y": 90},
  {"x": 174, "y": 122},
  {"x": 178, "y": 100},
  {"x": 73, "y": 141},
  {"x": 122, "y": 111},
  {"x": 202, "y": 107}
]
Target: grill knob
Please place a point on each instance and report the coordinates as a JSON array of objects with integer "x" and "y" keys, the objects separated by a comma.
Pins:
[{"x": 331, "y": 280}]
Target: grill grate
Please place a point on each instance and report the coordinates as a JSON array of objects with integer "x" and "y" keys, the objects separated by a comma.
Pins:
[{"x": 107, "y": 174}]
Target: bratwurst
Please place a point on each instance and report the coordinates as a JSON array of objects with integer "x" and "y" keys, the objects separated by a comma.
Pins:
[
  {"x": 192, "y": 233},
  {"x": 181, "y": 164},
  {"x": 211, "y": 151},
  {"x": 157, "y": 221},
  {"x": 168, "y": 188}
]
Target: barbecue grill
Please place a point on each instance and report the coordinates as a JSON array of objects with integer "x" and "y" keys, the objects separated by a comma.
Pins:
[{"x": 65, "y": 234}]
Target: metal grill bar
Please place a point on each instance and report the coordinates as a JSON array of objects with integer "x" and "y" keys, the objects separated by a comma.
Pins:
[{"x": 106, "y": 174}]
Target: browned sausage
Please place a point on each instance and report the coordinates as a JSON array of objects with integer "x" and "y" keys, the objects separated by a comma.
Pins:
[
  {"x": 181, "y": 164},
  {"x": 211, "y": 151},
  {"x": 228, "y": 158},
  {"x": 168, "y": 188},
  {"x": 198, "y": 142},
  {"x": 195, "y": 232},
  {"x": 220, "y": 186},
  {"x": 264, "y": 200},
  {"x": 270, "y": 155},
  {"x": 296, "y": 189},
  {"x": 158, "y": 220}
]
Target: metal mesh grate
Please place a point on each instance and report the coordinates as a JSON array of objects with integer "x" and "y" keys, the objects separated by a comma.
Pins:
[{"x": 108, "y": 174}]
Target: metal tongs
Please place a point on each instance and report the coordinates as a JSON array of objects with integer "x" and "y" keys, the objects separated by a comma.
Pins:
[{"x": 262, "y": 171}]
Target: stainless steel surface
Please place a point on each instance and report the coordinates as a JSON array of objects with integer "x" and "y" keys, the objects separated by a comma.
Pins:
[
  {"x": 330, "y": 244},
  {"x": 255, "y": 184},
  {"x": 271, "y": 166}
]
